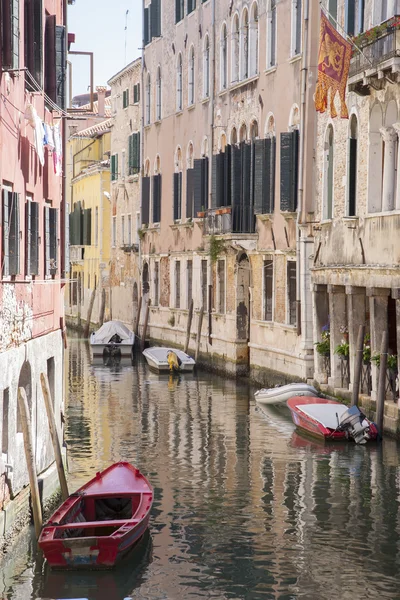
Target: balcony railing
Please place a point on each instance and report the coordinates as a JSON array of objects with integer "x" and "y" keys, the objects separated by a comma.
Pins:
[
  {"x": 375, "y": 54},
  {"x": 229, "y": 219}
]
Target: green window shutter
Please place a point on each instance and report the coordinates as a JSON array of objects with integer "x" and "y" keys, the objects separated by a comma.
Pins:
[
  {"x": 146, "y": 22},
  {"x": 116, "y": 166},
  {"x": 289, "y": 170},
  {"x": 13, "y": 237},
  {"x": 135, "y": 94},
  {"x": 50, "y": 57},
  {"x": 112, "y": 164},
  {"x": 145, "y": 200},
  {"x": 28, "y": 236},
  {"x": 34, "y": 254},
  {"x": 177, "y": 196},
  {"x": 156, "y": 184},
  {"x": 136, "y": 152},
  {"x": 47, "y": 239},
  {"x": 61, "y": 66},
  {"x": 130, "y": 154},
  {"x": 155, "y": 14},
  {"x": 127, "y": 97},
  {"x": 53, "y": 223}
]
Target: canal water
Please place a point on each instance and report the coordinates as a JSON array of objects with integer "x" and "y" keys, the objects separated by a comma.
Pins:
[{"x": 245, "y": 508}]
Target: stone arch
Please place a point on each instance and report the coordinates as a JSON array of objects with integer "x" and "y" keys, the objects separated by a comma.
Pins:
[
  {"x": 234, "y": 137},
  {"x": 190, "y": 156},
  {"x": 147, "y": 167},
  {"x": 222, "y": 142},
  {"x": 157, "y": 165},
  {"x": 294, "y": 118},
  {"x": 270, "y": 126},
  {"x": 391, "y": 113},
  {"x": 25, "y": 381},
  {"x": 204, "y": 146},
  {"x": 254, "y": 130},
  {"x": 178, "y": 160},
  {"x": 243, "y": 133}
]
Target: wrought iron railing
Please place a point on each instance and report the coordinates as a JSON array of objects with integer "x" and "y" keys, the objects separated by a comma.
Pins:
[
  {"x": 229, "y": 219},
  {"x": 377, "y": 52}
]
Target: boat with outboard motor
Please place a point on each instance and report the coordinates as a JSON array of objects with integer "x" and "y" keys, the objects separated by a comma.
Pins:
[
  {"x": 282, "y": 393},
  {"x": 168, "y": 359},
  {"x": 331, "y": 420},
  {"x": 113, "y": 338}
]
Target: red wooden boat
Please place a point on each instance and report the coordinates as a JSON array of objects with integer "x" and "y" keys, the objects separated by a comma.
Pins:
[
  {"x": 97, "y": 525},
  {"x": 331, "y": 420}
]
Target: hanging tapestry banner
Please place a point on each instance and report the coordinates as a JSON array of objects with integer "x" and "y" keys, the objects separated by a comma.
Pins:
[{"x": 333, "y": 69}]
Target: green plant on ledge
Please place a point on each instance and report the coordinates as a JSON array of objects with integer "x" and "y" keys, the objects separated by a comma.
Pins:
[
  {"x": 324, "y": 346},
  {"x": 367, "y": 349},
  {"x": 342, "y": 349},
  {"x": 141, "y": 233},
  {"x": 171, "y": 320},
  {"x": 216, "y": 247},
  {"x": 391, "y": 361}
]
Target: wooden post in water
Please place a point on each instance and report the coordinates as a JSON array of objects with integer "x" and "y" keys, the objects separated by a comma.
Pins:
[
  {"x": 210, "y": 314},
  {"x": 89, "y": 314},
  {"x": 102, "y": 306},
  {"x": 189, "y": 324},
  {"x": 30, "y": 459},
  {"x": 54, "y": 435},
  {"x": 138, "y": 316},
  {"x": 380, "y": 401},
  {"x": 199, "y": 326},
  {"x": 358, "y": 366},
  {"x": 146, "y": 320}
]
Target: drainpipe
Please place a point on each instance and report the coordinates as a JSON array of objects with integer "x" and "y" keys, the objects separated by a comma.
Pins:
[
  {"x": 210, "y": 155},
  {"x": 300, "y": 199},
  {"x": 142, "y": 95}
]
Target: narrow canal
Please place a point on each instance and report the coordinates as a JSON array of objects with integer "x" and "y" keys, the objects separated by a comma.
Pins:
[{"x": 244, "y": 507}]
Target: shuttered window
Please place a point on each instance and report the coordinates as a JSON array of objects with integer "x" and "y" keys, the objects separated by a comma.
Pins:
[
  {"x": 146, "y": 26},
  {"x": 125, "y": 98},
  {"x": 291, "y": 291},
  {"x": 61, "y": 66},
  {"x": 145, "y": 200},
  {"x": 10, "y": 34},
  {"x": 136, "y": 93},
  {"x": 114, "y": 167},
  {"x": 221, "y": 286},
  {"x": 191, "y": 5},
  {"x": 218, "y": 180},
  {"x": 289, "y": 170},
  {"x": 178, "y": 284},
  {"x": 32, "y": 238},
  {"x": 11, "y": 227},
  {"x": 179, "y": 10},
  {"x": 50, "y": 85},
  {"x": 134, "y": 153},
  {"x": 156, "y": 185},
  {"x": 350, "y": 17},
  {"x": 264, "y": 175},
  {"x": 268, "y": 289},
  {"x": 87, "y": 227},
  {"x": 200, "y": 195},
  {"x": 155, "y": 17},
  {"x": 177, "y": 196},
  {"x": 53, "y": 214},
  {"x": 33, "y": 40},
  {"x": 189, "y": 279},
  {"x": 203, "y": 283},
  {"x": 189, "y": 193}
]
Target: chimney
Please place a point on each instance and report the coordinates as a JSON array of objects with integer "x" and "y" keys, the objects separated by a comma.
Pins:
[{"x": 101, "y": 100}]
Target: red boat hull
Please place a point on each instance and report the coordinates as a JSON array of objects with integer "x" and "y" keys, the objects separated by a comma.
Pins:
[
  {"x": 314, "y": 427},
  {"x": 95, "y": 527}
]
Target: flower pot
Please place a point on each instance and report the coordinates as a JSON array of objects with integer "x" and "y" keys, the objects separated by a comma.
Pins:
[{"x": 201, "y": 214}]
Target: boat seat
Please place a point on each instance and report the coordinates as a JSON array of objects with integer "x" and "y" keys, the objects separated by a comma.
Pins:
[{"x": 111, "y": 509}]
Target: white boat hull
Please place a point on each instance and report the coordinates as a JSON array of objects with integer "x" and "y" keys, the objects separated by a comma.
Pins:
[
  {"x": 101, "y": 341},
  {"x": 280, "y": 395},
  {"x": 125, "y": 349},
  {"x": 157, "y": 360}
]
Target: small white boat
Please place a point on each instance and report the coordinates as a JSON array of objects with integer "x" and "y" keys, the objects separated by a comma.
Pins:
[
  {"x": 113, "y": 338},
  {"x": 168, "y": 359},
  {"x": 282, "y": 393}
]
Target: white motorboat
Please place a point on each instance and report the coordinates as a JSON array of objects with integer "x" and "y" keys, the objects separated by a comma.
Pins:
[
  {"x": 168, "y": 359},
  {"x": 282, "y": 393},
  {"x": 113, "y": 338}
]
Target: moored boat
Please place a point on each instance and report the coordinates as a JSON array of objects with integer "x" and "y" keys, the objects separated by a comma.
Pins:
[
  {"x": 282, "y": 393},
  {"x": 97, "y": 525},
  {"x": 112, "y": 339},
  {"x": 168, "y": 359},
  {"x": 331, "y": 420}
]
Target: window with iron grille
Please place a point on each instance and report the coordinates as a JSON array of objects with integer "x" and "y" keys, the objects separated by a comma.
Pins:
[
  {"x": 291, "y": 291},
  {"x": 10, "y": 34},
  {"x": 268, "y": 289},
  {"x": 203, "y": 283},
  {"x": 189, "y": 268},
  {"x": 33, "y": 41},
  {"x": 221, "y": 286},
  {"x": 178, "y": 284},
  {"x": 156, "y": 283},
  {"x": 136, "y": 93},
  {"x": 32, "y": 237},
  {"x": 51, "y": 239},
  {"x": 11, "y": 248}
]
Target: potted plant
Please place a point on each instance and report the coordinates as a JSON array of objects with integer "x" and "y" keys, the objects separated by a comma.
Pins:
[
  {"x": 324, "y": 346},
  {"x": 367, "y": 349},
  {"x": 342, "y": 349}
]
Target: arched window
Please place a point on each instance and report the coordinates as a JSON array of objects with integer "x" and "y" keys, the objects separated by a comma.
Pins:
[
  {"x": 270, "y": 127},
  {"x": 179, "y": 95},
  {"x": 222, "y": 142},
  {"x": 146, "y": 169},
  {"x": 271, "y": 34},
  {"x": 235, "y": 49},
  {"x": 328, "y": 174},
  {"x": 352, "y": 167},
  {"x": 243, "y": 133},
  {"x": 244, "y": 45},
  {"x": 148, "y": 99},
  {"x": 233, "y": 136},
  {"x": 224, "y": 57},
  {"x": 191, "y": 77},
  {"x": 157, "y": 165},
  {"x": 375, "y": 166},
  {"x": 253, "y": 70},
  {"x": 177, "y": 207},
  {"x": 189, "y": 156},
  {"x": 158, "y": 95},
  {"x": 206, "y": 68},
  {"x": 254, "y": 130}
]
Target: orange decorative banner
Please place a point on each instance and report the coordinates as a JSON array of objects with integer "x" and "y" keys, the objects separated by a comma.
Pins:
[{"x": 333, "y": 69}]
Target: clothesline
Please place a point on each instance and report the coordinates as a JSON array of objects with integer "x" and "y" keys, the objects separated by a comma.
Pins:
[{"x": 46, "y": 136}]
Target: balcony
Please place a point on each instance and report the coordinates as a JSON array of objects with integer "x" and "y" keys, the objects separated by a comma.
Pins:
[
  {"x": 76, "y": 254},
  {"x": 229, "y": 219},
  {"x": 379, "y": 59}
]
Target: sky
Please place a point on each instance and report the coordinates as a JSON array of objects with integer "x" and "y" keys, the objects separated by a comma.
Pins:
[{"x": 99, "y": 27}]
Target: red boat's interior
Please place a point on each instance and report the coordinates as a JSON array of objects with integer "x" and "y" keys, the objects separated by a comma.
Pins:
[{"x": 91, "y": 516}]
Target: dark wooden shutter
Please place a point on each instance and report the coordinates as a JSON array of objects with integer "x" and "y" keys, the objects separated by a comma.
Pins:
[
  {"x": 246, "y": 199},
  {"x": 67, "y": 264},
  {"x": 260, "y": 175},
  {"x": 47, "y": 239},
  {"x": 61, "y": 66},
  {"x": 177, "y": 195},
  {"x": 350, "y": 17},
  {"x": 270, "y": 175},
  {"x": 13, "y": 236},
  {"x": 205, "y": 182},
  {"x": 217, "y": 191},
  {"x": 236, "y": 186},
  {"x": 6, "y": 228},
  {"x": 145, "y": 200},
  {"x": 89, "y": 226},
  {"x": 297, "y": 49},
  {"x": 138, "y": 92},
  {"x": 135, "y": 93},
  {"x": 291, "y": 291},
  {"x": 198, "y": 186},
  {"x": 34, "y": 246},
  {"x": 135, "y": 152},
  {"x": 190, "y": 178},
  {"x": 177, "y": 11},
  {"x": 14, "y": 50},
  {"x": 226, "y": 193},
  {"x": 50, "y": 57},
  {"x": 155, "y": 13},
  {"x": 127, "y": 97},
  {"x": 53, "y": 223},
  {"x": 289, "y": 170},
  {"x": 352, "y": 176},
  {"x": 38, "y": 41},
  {"x": 156, "y": 185},
  {"x": 146, "y": 24},
  {"x": 28, "y": 237},
  {"x": 214, "y": 181}
]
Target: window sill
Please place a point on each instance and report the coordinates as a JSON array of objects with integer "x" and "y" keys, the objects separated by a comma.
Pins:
[
  {"x": 132, "y": 178},
  {"x": 243, "y": 82},
  {"x": 157, "y": 123},
  {"x": 288, "y": 216},
  {"x": 326, "y": 221},
  {"x": 147, "y": 126},
  {"x": 271, "y": 70},
  {"x": 387, "y": 213},
  {"x": 295, "y": 58},
  {"x": 264, "y": 217},
  {"x": 223, "y": 92},
  {"x": 205, "y": 100},
  {"x": 153, "y": 227},
  {"x": 191, "y": 106},
  {"x": 188, "y": 223},
  {"x": 179, "y": 112}
]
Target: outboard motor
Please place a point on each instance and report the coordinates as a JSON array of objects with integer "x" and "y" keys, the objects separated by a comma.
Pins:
[{"x": 354, "y": 423}]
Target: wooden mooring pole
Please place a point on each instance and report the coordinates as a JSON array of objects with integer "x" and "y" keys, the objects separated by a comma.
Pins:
[
  {"x": 54, "y": 435},
  {"x": 380, "y": 401},
  {"x": 199, "y": 326},
  {"x": 358, "y": 365},
  {"x": 102, "y": 307},
  {"x": 139, "y": 310},
  {"x": 89, "y": 314},
  {"x": 189, "y": 324},
  {"x": 30, "y": 460},
  {"x": 146, "y": 321}
]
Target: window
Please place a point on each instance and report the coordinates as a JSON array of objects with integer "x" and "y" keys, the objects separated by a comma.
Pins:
[
  {"x": 253, "y": 41},
  {"x": 32, "y": 237},
  {"x": 177, "y": 196},
  {"x": 134, "y": 153},
  {"x": 206, "y": 68},
  {"x": 189, "y": 279},
  {"x": 179, "y": 10},
  {"x": 156, "y": 283},
  {"x": 123, "y": 229},
  {"x": 296, "y": 27},
  {"x": 235, "y": 49},
  {"x": 352, "y": 167},
  {"x": 158, "y": 95},
  {"x": 350, "y": 16},
  {"x": 289, "y": 170},
  {"x": 224, "y": 57},
  {"x": 136, "y": 93},
  {"x": 4, "y": 431},
  {"x": 191, "y": 77},
  {"x": 328, "y": 175},
  {"x": 156, "y": 189},
  {"x": 55, "y": 61},
  {"x": 268, "y": 289},
  {"x": 33, "y": 40},
  {"x": 291, "y": 291},
  {"x": 177, "y": 284},
  {"x": 96, "y": 226},
  {"x": 123, "y": 161},
  {"x": 179, "y": 95},
  {"x": 221, "y": 286},
  {"x": 200, "y": 183},
  {"x": 244, "y": 45},
  {"x": 203, "y": 283},
  {"x": 125, "y": 99},
  {"x": 191, "y": 5},
  {"x": 114, "y": 167},
  {"x": 10, "y": 34},
  {"x": 271, "y": 35},
  {"x": 129, "y": 240},
  {"x": 114, "y": 231},
  {"x": 11, "y": 249},
  {"x": 332, "y": 8},
  {"x": 51, "y": 238},
  {"x": 190, "y": 183},
  {"x": 264, "y": 175},
  {"x": 145, "y": 200},
  {"x": 148, "y": 100}
]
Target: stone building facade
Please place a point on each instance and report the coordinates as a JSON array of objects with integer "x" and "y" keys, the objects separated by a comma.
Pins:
[
  {"x": 355, "y": 274},
  {"x": 227, "y": 189}
]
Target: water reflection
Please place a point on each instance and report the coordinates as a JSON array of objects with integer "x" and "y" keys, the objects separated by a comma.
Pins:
[{"x": 245, "y": 507}]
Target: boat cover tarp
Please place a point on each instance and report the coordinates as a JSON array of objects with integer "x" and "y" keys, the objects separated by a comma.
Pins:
[
  {"x": 293, "y": 389},
  {"x": 159, "y": 354},
  {"x": 106, "y": 331},
  {"x": 324, "y": 413}
]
